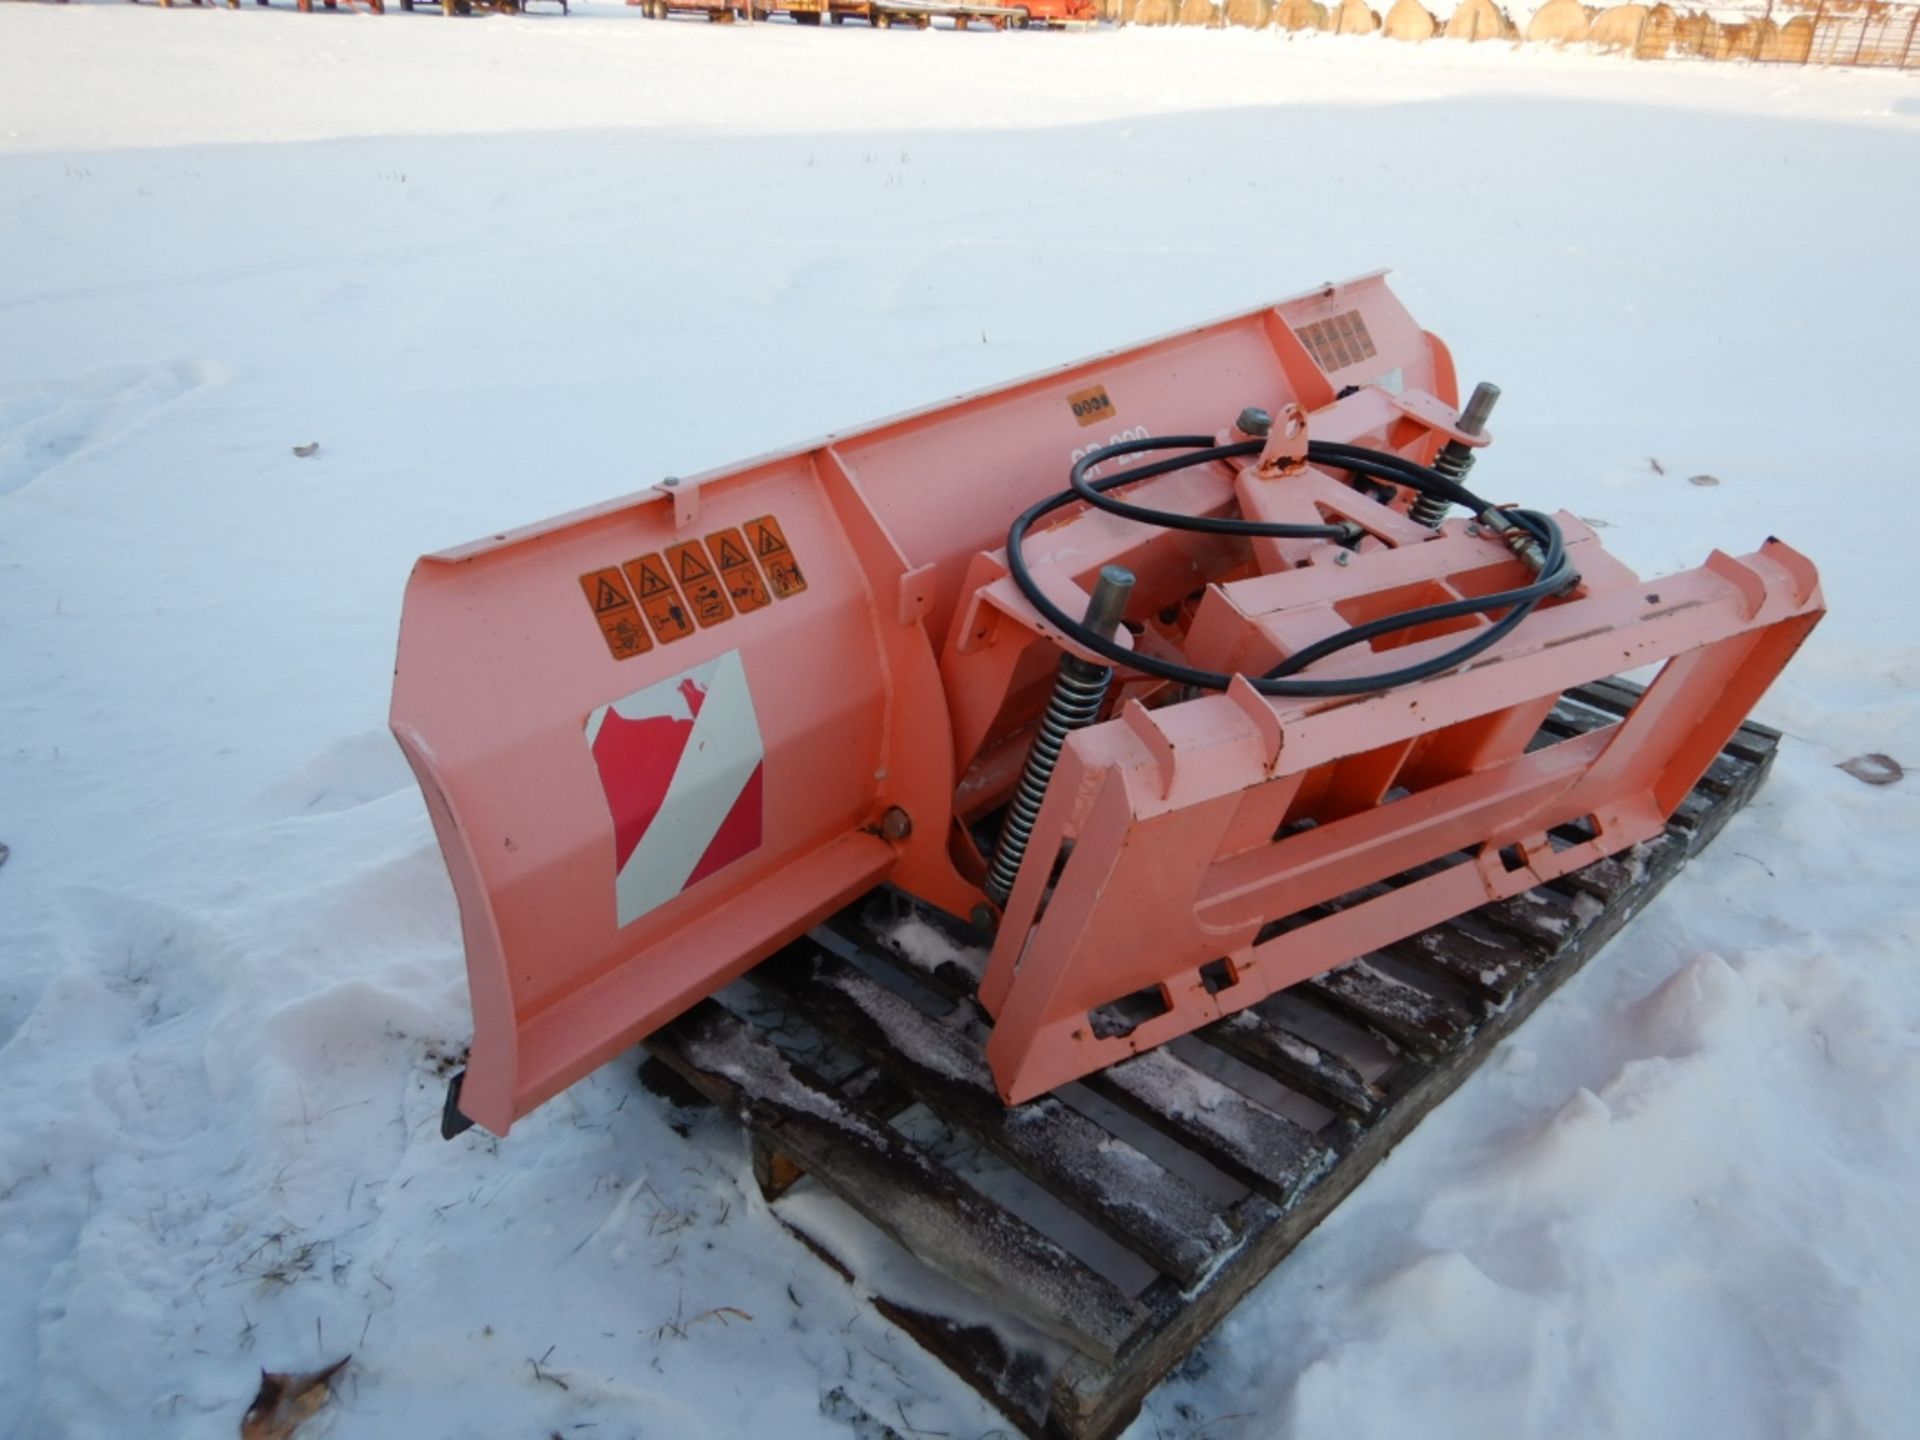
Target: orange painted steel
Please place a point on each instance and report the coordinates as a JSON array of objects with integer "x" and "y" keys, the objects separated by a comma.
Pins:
[
  {"x": 1194, "y": 872},
  {"x": 662, "y": 737}
]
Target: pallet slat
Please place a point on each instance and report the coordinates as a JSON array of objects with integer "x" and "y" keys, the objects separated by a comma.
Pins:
[
  {"x": 1494, "y": 971},
  {"x": 1295, "y": 1061},
  {"x": 874, "y": 1168},
  {"x": 1409, "y": 1017},
  {"x": 1604, "y": 879},
  {"x": 864, "y": 925},
  {"x": 1237, "y": 1136},
  {"x": 1133, "y": 1198},
  {"x": 1539, "y": 920}
]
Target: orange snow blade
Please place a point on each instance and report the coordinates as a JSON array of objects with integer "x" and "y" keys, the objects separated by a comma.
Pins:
[
  {"x": 662, "y": 737},
  {"x": 603, "y": 716}
]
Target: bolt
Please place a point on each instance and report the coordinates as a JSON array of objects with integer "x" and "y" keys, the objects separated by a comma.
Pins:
[
  {"x": 983, "y": 917},
  {"x": 1473, "y": 419},
  {"x": 1253, "y": 421},
  {"x": 670, "y": 481},
  {"x": 1341, "y": 557},
  {"x": 896, "y": 824},
  {"x": 1456, "y": 457},
  {"x": 1473, "y": 530},
  {"x": 1111, "y": 591}
]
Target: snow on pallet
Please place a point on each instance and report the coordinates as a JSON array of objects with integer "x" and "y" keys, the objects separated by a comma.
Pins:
[{"x": 1205, "y": 1162}]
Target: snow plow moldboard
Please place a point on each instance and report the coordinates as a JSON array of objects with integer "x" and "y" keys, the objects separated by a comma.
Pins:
[
  {"x": 1240, "y": 705},
  {"x": 1206, "y": 1185}
]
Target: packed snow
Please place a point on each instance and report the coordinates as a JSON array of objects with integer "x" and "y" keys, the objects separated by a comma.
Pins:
[{"x": 501, "y": 268}]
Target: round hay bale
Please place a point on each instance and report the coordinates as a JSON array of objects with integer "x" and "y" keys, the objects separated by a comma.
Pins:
[
  {"x": 1352, "y": 17},
  {"x": 1766, "y": 40},
  {"x": 1695, "y": 34},
  {"x": 1154, "y": 12},
  {"x": 1410, "y": 20},
  {"x": 1197, "y": 12},
  {"x": 1294, "y": 15},
  {"x": 1248, "y": 14},
  {"x": 1618, "y": 28},
  {"x": 1478, "y": 20},
  {"x": 1796, "y": 40},
  {"x": 1323, "y": 17},
  {"x": 1738, "y": 42},
  {"x": 1658, "y": 34},
  {"x": 1559, "y": 22}
]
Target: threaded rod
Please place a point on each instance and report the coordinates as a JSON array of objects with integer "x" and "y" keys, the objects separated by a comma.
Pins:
[{"x": 1455, "y": 459}]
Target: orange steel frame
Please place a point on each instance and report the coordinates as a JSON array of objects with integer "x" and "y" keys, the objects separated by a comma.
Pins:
[
  {"x": 1184, "y": 827},
  {"x": 1205, "y": 850}
]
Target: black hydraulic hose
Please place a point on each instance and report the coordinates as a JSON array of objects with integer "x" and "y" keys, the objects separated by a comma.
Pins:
[
  {"x": 1376, "y": 464},
  {"x": 1201, "y": 449},
  {"x": 1556, "y": 573},
  {"x": 1396, "y": 469},
  {"x": 1555, "y": 576}
]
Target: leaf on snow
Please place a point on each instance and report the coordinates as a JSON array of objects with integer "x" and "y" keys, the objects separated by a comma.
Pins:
[
  {"x": 286, "y": 1400},
  {"x": 1874, "y": 768}
]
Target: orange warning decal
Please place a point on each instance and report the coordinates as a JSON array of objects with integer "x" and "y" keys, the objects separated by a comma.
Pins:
[
  {"x": 769, "y": 545},
  {"x": 737, "y": 570},
  {"x": 613, "y": 608},
  {"x": 1091, "y": 406},
  {"x": 689, "y": 565},
  {"x": 665, "y": 611}
]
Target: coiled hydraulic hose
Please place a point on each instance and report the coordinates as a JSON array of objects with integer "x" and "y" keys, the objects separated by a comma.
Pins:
[{"x": 1556, "y": 571}]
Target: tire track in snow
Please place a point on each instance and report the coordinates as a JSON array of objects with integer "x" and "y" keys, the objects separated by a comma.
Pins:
[{"x": 44, "y": 424}]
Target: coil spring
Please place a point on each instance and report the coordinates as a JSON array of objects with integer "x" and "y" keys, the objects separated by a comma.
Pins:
[
  {"x": 1079, "y": 691},
  {"x": 1453, "y": 461}
]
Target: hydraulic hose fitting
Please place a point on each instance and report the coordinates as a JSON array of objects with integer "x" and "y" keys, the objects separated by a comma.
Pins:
[
  {"x": 1455, "y": 459},
  {"x": 1079, "y": 690},
  {"x": 1518, "y": 540}
]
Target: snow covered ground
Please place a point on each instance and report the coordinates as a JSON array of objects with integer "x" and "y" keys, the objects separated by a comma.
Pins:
[{"x": 501, "y": 268}]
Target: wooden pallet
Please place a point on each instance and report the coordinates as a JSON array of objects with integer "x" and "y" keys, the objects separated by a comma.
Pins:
[{"x": 1207, "y": 1160}]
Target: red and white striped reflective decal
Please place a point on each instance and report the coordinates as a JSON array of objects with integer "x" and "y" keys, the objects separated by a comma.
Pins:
[{"x": 681, "y": 763}]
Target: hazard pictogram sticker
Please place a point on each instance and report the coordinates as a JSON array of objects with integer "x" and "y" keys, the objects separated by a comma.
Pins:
[
  {"x": 737, "y": 570},
  {"x": 664, "y": 608},
  {"x": 769, "y": 544},
  {"x": 689, "y": 565},
  {"x": 614, "y": 610},
  {"x": 682, "y": 766}
]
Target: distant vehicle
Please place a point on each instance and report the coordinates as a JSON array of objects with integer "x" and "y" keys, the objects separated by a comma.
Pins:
[{"x": 885, "y": 14}]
